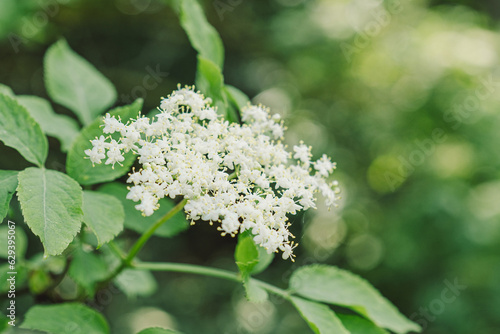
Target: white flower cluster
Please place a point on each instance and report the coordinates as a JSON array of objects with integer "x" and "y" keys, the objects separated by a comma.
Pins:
[{"x": 238, "y": 176}]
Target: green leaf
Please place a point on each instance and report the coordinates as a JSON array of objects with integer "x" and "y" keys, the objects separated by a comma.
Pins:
[
  {"x": 244, "y": 248},
  {"x": 6, "y": 90},
  {"x": 264, "y": 260},
  {"x": 104, "y": 214},
  {"x": 4, "y": 322},
  {"x": 237, "y": 101},
  {"x": 39, "y": 281},
  {"x": 319, "y": 317},
  {"x": 232, "y": 114},
  {"x": 254, "y": 292},
  {"x": 8, "y": 185},
  {"x": 65, "y": 318},
  {"x": 202, "y": 35},
  {"x": 246, "y": 255},
  {"x": 236, "y": 96},
  {"x": 136, "y": 283},
  {"x": 210, "y": 82},
  {"x": 157, "y": 330},
  {"x": 87, "y": 269},
  {"x": 80, "y": 168},
  {"x": 16, "y": 235},
  {"x": 21, "y": 277},
  {"x": 135, "y": 221},
  {"x": 76, "y": 84},
  {"x": 357, "y": 325},
  {"x": 51, "y": 203},
  {"x": 53, "y": 264},
  {"x": 20, "y": 131},
  {"x": 340, "y": 287},
  {"x": 61, "y": 127}
]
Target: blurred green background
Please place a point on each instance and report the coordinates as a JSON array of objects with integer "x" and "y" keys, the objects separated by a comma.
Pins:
[{"x": 404, "y": 95}]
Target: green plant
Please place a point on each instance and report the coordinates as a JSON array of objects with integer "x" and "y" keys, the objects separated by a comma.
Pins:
[{"x": 54, "y": 205}]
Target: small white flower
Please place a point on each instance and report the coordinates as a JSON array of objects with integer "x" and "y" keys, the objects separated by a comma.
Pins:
[
  {"x": 148, "y": 205},
  {"x": 287, "y": 251},
  {"x": 115, "y": 155},
  {"x": 302, "y": 153},
  {"x": 112, "y": 125},
  {"x": 95, "y": 154},
  {"x": 324, "y": 166}
]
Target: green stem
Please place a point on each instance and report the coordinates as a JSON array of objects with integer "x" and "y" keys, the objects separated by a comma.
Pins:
[
  {"x": 189, "y": 269},
  {"x": 213, "y": 272},
  {"x": 117, "y": 250},
  {"x": 126, "y": 260},
  {"x": 149, "y": 233}
]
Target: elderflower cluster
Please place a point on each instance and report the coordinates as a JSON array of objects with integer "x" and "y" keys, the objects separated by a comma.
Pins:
[{"x": 239, "y": 177}]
